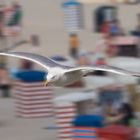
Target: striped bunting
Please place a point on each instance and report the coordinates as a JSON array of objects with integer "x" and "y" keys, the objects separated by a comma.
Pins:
[
  {"x": 84, "y": 133},
  {"x": 32, "y": 100},
  {"x": 73, "y": 18},
  {"x": 65, "y": 113}
]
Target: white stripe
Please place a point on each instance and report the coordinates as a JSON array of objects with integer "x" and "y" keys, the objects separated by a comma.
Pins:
[
  {"x": 72, "y": 13},
  {"x": 65, "y": 125},
  {"x": 65, "y": 110},
  {"x": 72, "y": 30},
  {"x": 33, "y": 97},
  {"x": 65, "y": 135},
  {"x": 72, "y": 22},
  {"x": 66, "y": 115},
  {"x": 64, "y": 120},
  {"x": 66, "y": 139},
  {"x": 65, "y": 130},
  {"x": 34, "y": 110},
  {"x": 34, "y": 115}
]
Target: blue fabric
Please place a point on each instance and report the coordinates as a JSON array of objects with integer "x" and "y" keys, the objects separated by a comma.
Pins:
[
  {"x": 85, "y": 137},
  {"x": 135, "y": 33},
  {"x": 13, "y": 73},
  {"x": 71, "y": 3},
  {"x": 31, "y": 76},
  {"x": 84, "y": 131},
  {"x": 114, "y": 30},
  {"x": 89, "y": 121}
]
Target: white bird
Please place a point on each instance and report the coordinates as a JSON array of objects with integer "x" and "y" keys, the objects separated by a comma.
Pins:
[{"x": 60, "y": 75}]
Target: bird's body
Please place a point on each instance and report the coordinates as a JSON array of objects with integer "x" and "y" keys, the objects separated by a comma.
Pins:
[
  {"x": 60, "y": 75},
  {"x": 67, "y": 79},
  {"x": 64, "y": 78}
]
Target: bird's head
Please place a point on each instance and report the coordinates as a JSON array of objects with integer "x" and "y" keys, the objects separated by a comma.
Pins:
[
  {"x": 51, "y": 78},
  {"x": 54, "y": 75}
]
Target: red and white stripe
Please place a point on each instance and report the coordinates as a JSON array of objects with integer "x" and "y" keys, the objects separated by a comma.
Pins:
[
  {"x": 65, "y": 113},
  {"x": 85, "y": 133},
  {"x": 33, "y": 99}
]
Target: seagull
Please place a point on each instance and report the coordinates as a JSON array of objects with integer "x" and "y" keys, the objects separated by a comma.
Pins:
[{"x": 61, "y": 75}]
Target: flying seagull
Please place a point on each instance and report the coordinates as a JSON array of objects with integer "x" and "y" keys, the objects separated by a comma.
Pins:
[{"x": 60, "y": 75}]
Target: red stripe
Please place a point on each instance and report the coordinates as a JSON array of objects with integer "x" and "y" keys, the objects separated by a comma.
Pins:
[
  {"x": 28, "y": 104},
  {"x": 32, "y": 87},
  {"x": 65, "y": 107},
  {"x": 70, "y": 112},
  {"x": 32, "y": 95},
  {"x": 18, "y": 98},
  {"x": 32, "y": 90},
  {"x": 65, "y": 122},
  {"x": 65, "y": 127},
  {"x": 66, "y": 132},
  {"x": 84, "y": 134},
  {"x": 21, "y": 98},
  {"x": 61, "y": 118},
  {"x": 18, "y": 83},
  {"x": 32, "y": 108},
  {"x": 88, "y": 139}
]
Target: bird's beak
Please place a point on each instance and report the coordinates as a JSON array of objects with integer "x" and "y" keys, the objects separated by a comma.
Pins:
[{"x": 46, "y": 83}]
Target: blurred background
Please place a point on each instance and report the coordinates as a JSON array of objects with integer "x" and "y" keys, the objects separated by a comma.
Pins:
[{"x": 74, "y": 33}]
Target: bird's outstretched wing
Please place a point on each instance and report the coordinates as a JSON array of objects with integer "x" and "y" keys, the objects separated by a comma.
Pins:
[
  {"x": 91, "y": 69},
  {"x": 41, "y": 60}
]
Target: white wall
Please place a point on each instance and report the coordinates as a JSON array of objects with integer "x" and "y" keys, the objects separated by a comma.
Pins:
[{"x": 45, "y": 18}]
